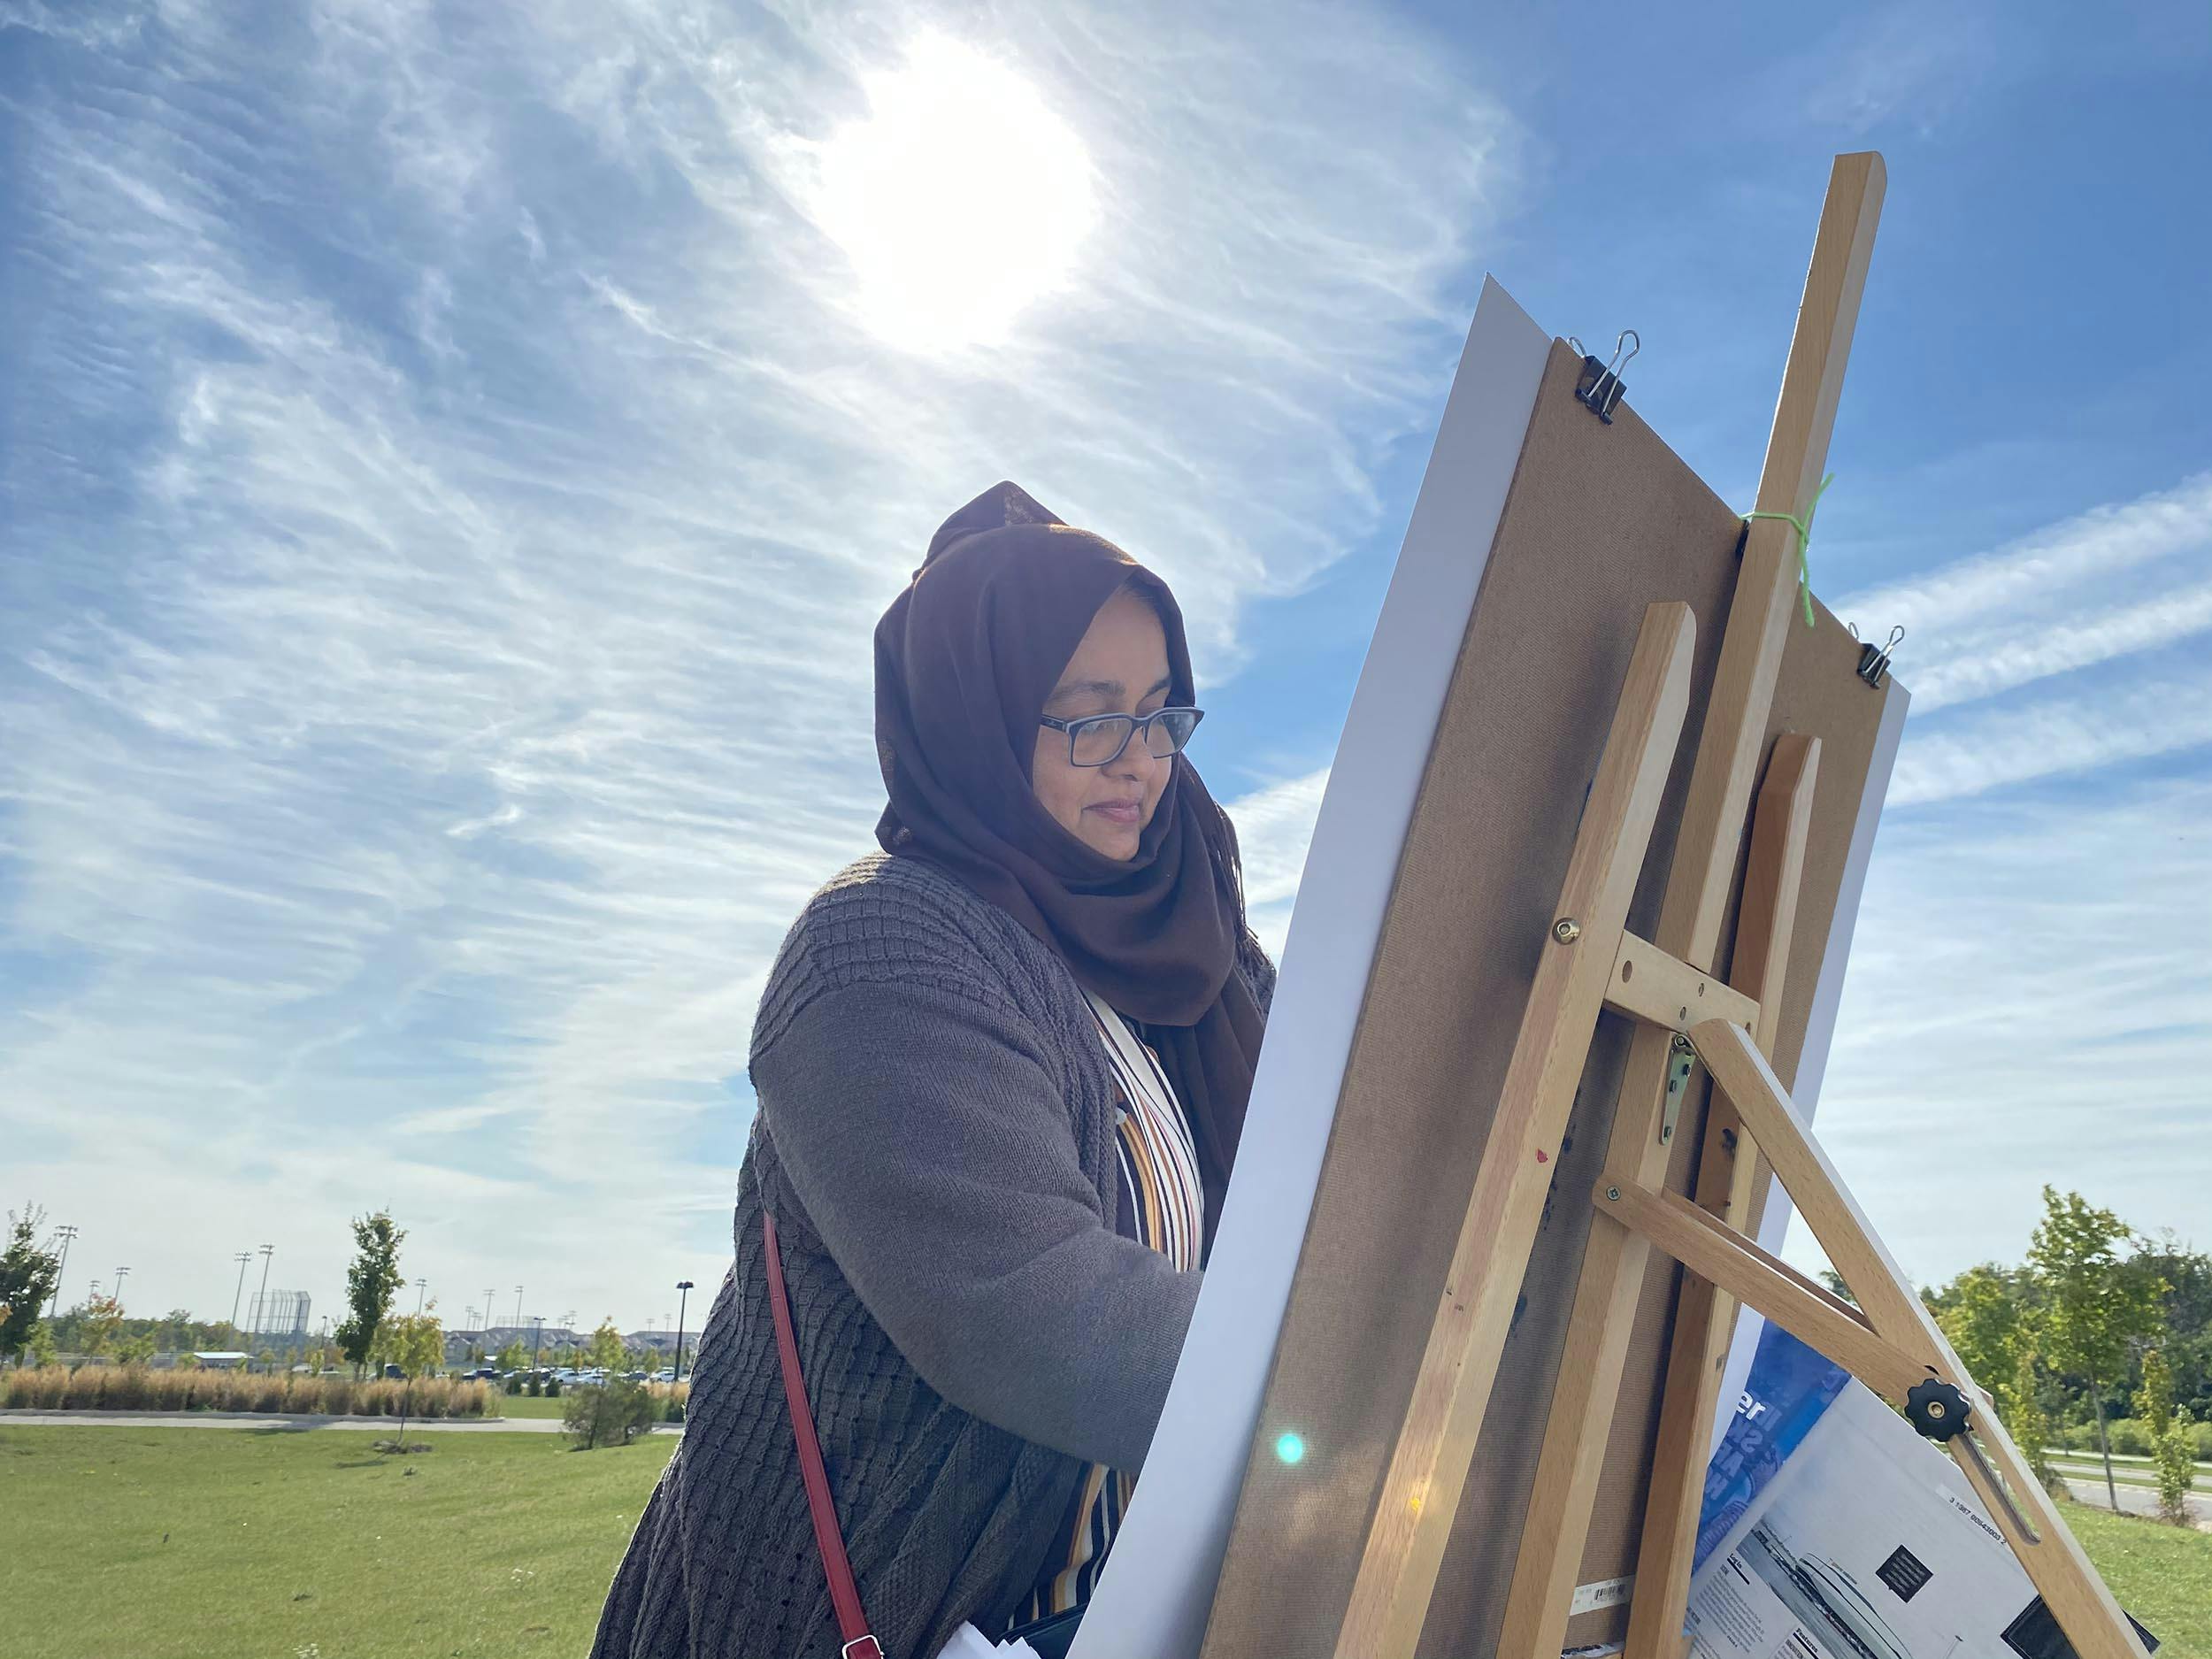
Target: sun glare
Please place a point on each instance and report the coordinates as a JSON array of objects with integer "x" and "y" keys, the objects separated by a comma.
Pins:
[{"x": 960, "y": 200}]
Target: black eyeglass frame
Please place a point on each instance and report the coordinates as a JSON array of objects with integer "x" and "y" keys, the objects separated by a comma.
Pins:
[{"x": 1136, "y": 722}]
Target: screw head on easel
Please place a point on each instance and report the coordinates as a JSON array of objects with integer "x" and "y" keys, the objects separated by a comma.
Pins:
[{"x": 1566, "y": 930}]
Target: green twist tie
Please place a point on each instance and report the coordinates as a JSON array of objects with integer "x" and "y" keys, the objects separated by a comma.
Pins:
[{"x": 1804, "y": 528}]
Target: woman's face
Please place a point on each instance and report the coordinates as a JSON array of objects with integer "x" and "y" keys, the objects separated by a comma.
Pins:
[{"x": 1119, "y": 668}]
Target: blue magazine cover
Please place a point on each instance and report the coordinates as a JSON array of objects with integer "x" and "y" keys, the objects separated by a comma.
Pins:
[{"x": 1790, "y": 1386}]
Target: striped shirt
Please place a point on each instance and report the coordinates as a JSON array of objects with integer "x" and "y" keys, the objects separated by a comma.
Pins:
[{"x": 1163, "y": 1208}]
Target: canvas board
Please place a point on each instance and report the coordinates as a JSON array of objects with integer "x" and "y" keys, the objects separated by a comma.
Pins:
[{"x": 1540, "y": 535}]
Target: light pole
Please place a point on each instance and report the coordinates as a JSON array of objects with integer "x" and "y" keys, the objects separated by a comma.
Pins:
[
  {"x": 488, "y": 1313},
  {"x": 242, "y": 1258},
  {"x": 537, "y": 1339},
  {"x": 683, "y": 1302},
  {"x": 261, "y": 1297},
  {"x": 422, "y": 1289},
  {"x": 517, "y": 1310},
  {"x": 568, "y": 1327},
  {"x": 64, "y": 1234},
  {"x": 119, "y": 1272}
]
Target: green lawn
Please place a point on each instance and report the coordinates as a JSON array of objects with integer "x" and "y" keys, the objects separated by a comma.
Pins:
[
  {"x": 180, "y": 1542},
  {"x": 524, "y": 1406},
  {"x": 173, "y": 1543},
  {"x": 2162, "y": 1574}
]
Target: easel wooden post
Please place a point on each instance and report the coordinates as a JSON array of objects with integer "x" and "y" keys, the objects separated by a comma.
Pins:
[{"x": 1684, "y": 1014}]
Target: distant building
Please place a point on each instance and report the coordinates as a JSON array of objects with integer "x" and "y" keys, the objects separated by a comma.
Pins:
[
  {"x": 278, "y": 1316},
  {"x": 221, "y": 1359}
]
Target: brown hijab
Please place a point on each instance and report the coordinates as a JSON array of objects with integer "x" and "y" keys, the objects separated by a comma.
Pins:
[{"x": 965, "y": 658}]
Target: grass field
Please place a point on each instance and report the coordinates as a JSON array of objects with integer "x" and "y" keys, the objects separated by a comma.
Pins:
[
  {"x": 175, "y": 1543},
  {"x": 2162, "y": 1574},
  {"x": 524, "y": 1406}
]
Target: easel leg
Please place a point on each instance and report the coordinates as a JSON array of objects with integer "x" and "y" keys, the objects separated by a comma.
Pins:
[
  {"x": 2017, "y": 1503},
  {"x": 1728, "y": 1169},
  {"x": 1428, "y": 1467}
]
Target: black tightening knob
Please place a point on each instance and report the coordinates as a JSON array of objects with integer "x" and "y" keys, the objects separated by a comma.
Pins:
[{"x": 1937, "y": 1408}]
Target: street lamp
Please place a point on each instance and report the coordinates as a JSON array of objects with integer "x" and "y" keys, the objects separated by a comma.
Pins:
[
  {"x": 683, "y": 1302},
  {"x": 64, "y": 1234},
  {"x": 537, "y": 1339},
  {"x": 242, "y": 1258}
]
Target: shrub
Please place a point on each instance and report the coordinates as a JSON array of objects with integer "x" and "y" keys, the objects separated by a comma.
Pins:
[
  {"x": 552, "y": 1387},
  {"x": 614, "y": 1414},
  {"x": 514, "y": 1384}
]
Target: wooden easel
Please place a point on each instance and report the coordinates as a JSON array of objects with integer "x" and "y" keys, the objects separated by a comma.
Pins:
[{"x": 1684, "y": 1016}]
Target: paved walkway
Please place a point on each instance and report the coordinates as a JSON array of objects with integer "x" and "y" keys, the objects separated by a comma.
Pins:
[
  {"x": 2133, "y": 1500},
  {"x": 291, "y": 1423}
]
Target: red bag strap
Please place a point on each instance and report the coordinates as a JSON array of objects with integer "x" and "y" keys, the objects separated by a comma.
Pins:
[{"x": 852, "y": 1623}]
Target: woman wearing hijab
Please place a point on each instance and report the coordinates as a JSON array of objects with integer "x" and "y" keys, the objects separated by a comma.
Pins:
[{"x": 1001, "y": 1068}]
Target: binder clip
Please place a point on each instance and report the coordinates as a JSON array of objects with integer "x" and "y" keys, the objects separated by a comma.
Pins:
[
  {"x": 1874, "y": 659},
  {"x": 1601, "y": 387}
]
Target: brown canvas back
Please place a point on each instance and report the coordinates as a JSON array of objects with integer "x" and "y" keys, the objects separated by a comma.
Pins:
[{"x": 1600, "y": 521}]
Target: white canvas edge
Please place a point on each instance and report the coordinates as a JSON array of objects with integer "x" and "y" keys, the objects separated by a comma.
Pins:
[
  {"x": 1820, "y": 1031},
  {"x": 1153, "y": 1598}
]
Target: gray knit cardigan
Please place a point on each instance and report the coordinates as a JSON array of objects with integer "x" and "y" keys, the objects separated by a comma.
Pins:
[{"x": 936, "y": 1140}]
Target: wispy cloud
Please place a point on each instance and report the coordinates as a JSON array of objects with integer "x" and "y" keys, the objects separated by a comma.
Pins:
[{"x": 458, "y": 489}]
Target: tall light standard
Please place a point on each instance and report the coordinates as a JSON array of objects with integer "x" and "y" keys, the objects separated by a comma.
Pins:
[
  {"x": 537, "y": 1339},
  {"x": 64, "y": 1234},
  {"x": 518, "y": 1308},
  {"x": 488, "y": 1313},
  {"x": 261, "y": 1298},
  {"x": 119, "y": 1272},
  {"x": 683, "y": 1302},
  {"x": 568, "y": 1328},
  {"x": 242, "y": 1258},
  {"x": 422, "y": 1289}
]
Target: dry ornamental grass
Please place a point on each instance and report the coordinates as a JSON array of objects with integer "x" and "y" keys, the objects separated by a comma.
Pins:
[{"x": 137, "y": 1388}]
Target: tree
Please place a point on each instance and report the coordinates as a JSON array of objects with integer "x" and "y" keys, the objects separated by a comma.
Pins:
[
  {"x": 2097, "y": 1304},
  {"x": 606, "y": 1347},
  {"x": 28, "y": 1272},
  {"x": 97, "y": 1322},
  {"x": 2020, "y": 1406},
  {"x": 2173, "y": 1445},
  {"x": 415, "y": 1342},
  {"x": 514, "y": 1356},
  {"x": 1981, "y": 1318},
  {"x": 371, "y": 1283}
]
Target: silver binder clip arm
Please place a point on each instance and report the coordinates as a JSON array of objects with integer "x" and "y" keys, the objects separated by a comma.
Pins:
[
  {"x": 1601, "y": 386},
  {"x": 1874, "y": 659}
]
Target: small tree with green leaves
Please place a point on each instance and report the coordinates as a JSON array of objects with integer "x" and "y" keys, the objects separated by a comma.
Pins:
[
  {"x": 2097, "y": 1304},
  {"x": 371, "y": 1283},
  {"x": 40, "y": 1345},
  {"x": 514, "y": 1356},
  {"x": 2020, "y": 1404},
  {"x": 1981, "y": 1319},
  {"x": 2173, "y": 1441},
  {"x": 415, "y": 1342},
  {"x": 605, "y": 1352},
  {"x": 99, "y": 1323},
  {"x": 29, "y": 1270}
]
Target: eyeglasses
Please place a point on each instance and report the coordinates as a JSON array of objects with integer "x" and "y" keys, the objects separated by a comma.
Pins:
[{"x": 1098, "y": 739}]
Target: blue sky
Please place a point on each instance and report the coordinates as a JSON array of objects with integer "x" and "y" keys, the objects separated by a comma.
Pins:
[{"x": 450, "y": 459}]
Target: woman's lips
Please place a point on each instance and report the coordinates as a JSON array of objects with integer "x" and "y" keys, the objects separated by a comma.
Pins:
[{"x": 1123, "y": 813}]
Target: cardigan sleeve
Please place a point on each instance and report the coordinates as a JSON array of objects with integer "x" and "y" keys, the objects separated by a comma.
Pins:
[{"x": 923, "y": 1132}]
